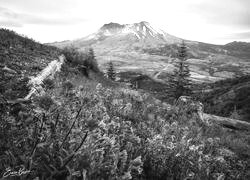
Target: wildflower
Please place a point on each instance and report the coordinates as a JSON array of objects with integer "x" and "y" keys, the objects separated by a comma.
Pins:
[
  {"x": 171, "y": 146},
  {"x": 127, "y": 176},
  {"x": 226, "y": 152},
  {"x": 166, "y": 126},
  {"x": 193, "y": 148},
  {"x": 137, "y": 139},
  {"x": 128, "y": 108},
  {"x": 189, "y": 140},
  {"x": 99, "y": 87},
  {"x": 115, "y": 102},
  {"x": 191, "y": 174},
  {"x": 157, "y": 137},
  {"x": 129, "y": 146},
  {"x": 108, "y": 92},
  {"x": 128, "y": 123},
  {"x": 150, "y": 105},
  {"x": 217, "y": 139},
  {"x": 220, "y": 159},
  {"x": 81, "y": 88},
  {"x": 102, "y": 124},
  {"x": 106, "y": 117},
  {"x": 112, "y": 141},
  {"x": 174, "y": 124},
  {"x": 123, "y": 156},
  {"x": 145, "y": 96},
  {"x": 139, "y": 170},
  {"x": 137, "y": 161},
  {"x": 173, "y": 137},
  {"x": 219, "y": 176},
  {"x": 199, "y": 163},
  {"x": 207, "y": 157},
  {"x": 210, "y": 140},
  {"x": 114, "y": 124},
  {"x": 138, "y": 98}
]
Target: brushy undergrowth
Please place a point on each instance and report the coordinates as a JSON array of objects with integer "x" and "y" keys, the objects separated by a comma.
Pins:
[{"x": 96, "y": 133}]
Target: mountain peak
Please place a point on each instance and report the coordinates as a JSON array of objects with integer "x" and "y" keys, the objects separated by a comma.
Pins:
[
  {"x": 141, "y": 30},
  {"x": 112, "y": 25},
  {"x": 144, "y": 23},
  {"x": 139, "y": 34}
]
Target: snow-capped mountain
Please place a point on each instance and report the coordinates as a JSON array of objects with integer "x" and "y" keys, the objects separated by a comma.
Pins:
[
  {"x": 136, "y": 33},
  {"x": 144, "y": 48},
  {"x": 141, "y": 31}
]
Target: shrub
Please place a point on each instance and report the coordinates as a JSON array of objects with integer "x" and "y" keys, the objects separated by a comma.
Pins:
[
  {"x": 108, "y": 135},
  {"x": 76, "y": 58},
  {"x": 73, "y": 56},
  {"x": 44, "y": 102},
  {"x": 48, "y": 83},
  {"x": 67, "y": 86}
]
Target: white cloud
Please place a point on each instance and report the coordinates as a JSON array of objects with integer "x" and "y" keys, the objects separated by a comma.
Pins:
[
  {"x": 21, "y": 19},
  {"x": 201, "y": 20}
]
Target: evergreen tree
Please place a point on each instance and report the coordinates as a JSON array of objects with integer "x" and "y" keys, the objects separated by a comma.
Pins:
[
  {"x": 235, "y": 114},
  {"x": 91, "y": 62},
  {"x": 111, "y": 74},
  {"x": 179, "y": 82}
]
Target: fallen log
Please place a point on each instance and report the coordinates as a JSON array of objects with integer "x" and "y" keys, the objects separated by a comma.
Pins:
[
  {"x": 186, "y": 102},
  {"x": 227, "y": 122}
]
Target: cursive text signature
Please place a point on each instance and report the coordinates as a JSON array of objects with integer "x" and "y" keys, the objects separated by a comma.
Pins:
[{"x": 10, "y": 172}]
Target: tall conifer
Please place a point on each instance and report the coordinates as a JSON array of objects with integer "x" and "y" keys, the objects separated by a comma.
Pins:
[{"x": 180, "y": 80}]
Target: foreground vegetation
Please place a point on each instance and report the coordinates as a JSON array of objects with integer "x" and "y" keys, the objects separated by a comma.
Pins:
[{"x": 79, "y": 129}]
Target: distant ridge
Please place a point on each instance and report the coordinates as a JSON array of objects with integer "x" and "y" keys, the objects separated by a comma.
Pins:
[
  {"x": 143, "y": 48},
  {"x": 138, "y": 32}
]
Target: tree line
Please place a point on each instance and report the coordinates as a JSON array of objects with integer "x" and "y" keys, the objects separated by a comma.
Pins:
[{"x": 179, "y": 81}]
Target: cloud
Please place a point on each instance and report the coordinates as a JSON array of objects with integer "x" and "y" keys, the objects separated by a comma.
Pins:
[
  {"x": 201, "y": 20},
  {"x": 233, "y": 13},
  {"x": 9, "y": 18},
  {"x": 5, "y": 23},
  {"x": 239, "y": 35}
]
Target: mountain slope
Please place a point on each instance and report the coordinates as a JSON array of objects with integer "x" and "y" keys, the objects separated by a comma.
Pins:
[
  {"x": 20, "y": 58},
  {"x": 139, "y": 33},
  {"x": 239, "y": 49},
  {"x": 140, "y": 47},
  {"x": 225, "y": 97}
]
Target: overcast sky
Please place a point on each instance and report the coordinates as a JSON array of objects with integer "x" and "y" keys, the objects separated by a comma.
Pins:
[{"x": 212, "y": 21}]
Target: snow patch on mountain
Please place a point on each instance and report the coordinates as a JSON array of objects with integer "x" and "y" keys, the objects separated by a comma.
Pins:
[
  {"x": 144, "y": 30},
  {"x": 142, "y": 34},
  {"x": 138, "y": 37},
  {"x": 141, "y": 30}
]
